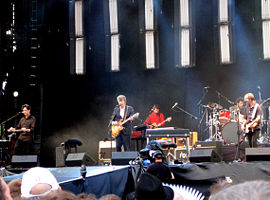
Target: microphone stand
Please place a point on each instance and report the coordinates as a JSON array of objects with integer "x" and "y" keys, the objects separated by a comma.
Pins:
[
  {"x": 237, "y": 153},
  {"x": 221, "y": 95}
]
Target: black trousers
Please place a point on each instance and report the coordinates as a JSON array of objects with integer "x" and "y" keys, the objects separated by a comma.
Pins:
[
  {"x": 123, "y": 140},
  {"x": 23, "y": 147},
  {"x": 252, "y": 138}
]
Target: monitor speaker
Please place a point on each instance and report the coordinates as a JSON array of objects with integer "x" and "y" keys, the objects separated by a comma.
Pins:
[
  {"x": 77, "y": 159},
  {"x": 204, "y": 155},
  {"x": 123, "y": 158},
  {"x": 26, "y": 161},
  {"x": 257, "y": 154}
]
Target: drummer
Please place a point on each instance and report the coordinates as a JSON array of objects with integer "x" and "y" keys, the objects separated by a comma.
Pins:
[{"x": 238, "y": 110}]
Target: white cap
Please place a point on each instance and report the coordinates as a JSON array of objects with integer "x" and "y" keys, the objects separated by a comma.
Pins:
[{"x": 35, "y": 176}]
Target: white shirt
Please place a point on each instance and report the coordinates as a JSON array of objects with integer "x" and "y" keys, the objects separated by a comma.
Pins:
[{"x": 122, "y": 112}]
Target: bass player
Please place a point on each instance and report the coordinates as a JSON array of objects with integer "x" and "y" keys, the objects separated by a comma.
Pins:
[
  {"x": 252, "y": 120},
  {"x": 122, "y": 112}
]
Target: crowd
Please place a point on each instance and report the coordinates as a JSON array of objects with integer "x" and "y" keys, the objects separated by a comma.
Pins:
[{"x": 39, "y": 183}]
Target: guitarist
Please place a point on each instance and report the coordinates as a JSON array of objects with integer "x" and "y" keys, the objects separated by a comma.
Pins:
[
  {"x": 252, "y": 119},
  {"x": 120, "y": 113},
  {"x": 25, "y": 127},
  {"x": 155, "y": 118}
]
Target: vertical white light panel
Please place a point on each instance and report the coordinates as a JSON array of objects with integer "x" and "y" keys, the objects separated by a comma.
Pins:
[
  {"x": 150, "y": 50},
  {"x": 185, "y": 47},
  {"x": 149, "y": 34},
  {"x": 78, "y": 18},
  {"x": 115, "y": 43},
  {"x": 184, "y": 12},
  {"x": 224, "y": 32},
  {"x": 265, "y": 12},
  {"x": 115, "y": 53},
  {"x": 224, "y": 44},
  {"x": 223, "y": 11},
  {"x": 113, "y": 16},
  {"x": 149, "y": 15},
  {"x": 184, "y": 33},
  {"x": 79, "y": 69}
]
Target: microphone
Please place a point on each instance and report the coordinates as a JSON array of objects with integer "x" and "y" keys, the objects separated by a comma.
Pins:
[
  {"x": 20, "y": 112},
  {"x": 151, "y": 110},
  {"x": 259, "y": 87},
  {"x": 174, "y": 105},
  {"x": 206, "y": 87}
]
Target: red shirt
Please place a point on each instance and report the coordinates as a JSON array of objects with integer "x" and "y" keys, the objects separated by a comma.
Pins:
[{"x": 155, "y": 118}]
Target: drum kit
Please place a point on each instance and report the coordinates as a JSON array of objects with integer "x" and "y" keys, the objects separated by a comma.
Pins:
[{"x": 223, "y": 124}]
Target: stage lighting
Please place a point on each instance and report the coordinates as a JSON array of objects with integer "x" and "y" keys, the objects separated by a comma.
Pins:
[
  {"x": 77, "y": 39},
  {"x": 115, "y": 52},
  {"x": 184, "y": 12},
  {"x": 149, "y": 11},
  {"x": 224, "y": 43},
  {"x": 149, "y": 15},
  {"x": 15, "y": 94},
  {"x": 78, "y": 18},
  {"x": 184, "y": 39},
  {"x": 223, "y": 11},
  {"x": 114, "y": 36},
  {"x": 185, "y": 47},
  {"x": 265, "y": 14},
  {"x": 79, "y": 56},
  {"x": 113, "y": 16},
  {"x": 224, "y": 22},
  {"x": 150, "y": 49}
]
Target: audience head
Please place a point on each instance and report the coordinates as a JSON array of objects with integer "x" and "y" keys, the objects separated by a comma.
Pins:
[
  {"x": 60, "y": 195},
  {"x": 110, "y": 197},
  {"x": 150, "y": 187},
  {"x": 4, "y": 190},
  {"x": 38, "y": 182},
  {"x": 250, "y": 190},
  {"x": 15, "y": 188}
]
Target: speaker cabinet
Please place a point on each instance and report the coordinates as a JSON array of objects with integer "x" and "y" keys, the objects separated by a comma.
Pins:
[
  {"x": 59, "y": 157},
  {"x": 123, "y": 158},
  {"x": 257, "y": 154},
  {"x": 105, "y": 149},
  {"x": 26, "y": 161},
  {"x": 204, "y": 155},
  {"x": 77, "y": 159}
]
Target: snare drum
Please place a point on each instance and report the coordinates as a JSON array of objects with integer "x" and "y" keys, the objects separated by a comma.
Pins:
[
  {"x": 224, "y": 116},
  {"x": 229, "y": 133}
]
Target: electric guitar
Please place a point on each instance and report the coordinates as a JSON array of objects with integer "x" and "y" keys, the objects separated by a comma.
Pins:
[
  {"x": 250, "y": 126},
  {"x": 154, "y": 125},
  {"x": 119, "y": 126}
]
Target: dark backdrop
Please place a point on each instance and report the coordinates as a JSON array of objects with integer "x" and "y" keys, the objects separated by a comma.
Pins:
[{"x": 80, "y": 106}]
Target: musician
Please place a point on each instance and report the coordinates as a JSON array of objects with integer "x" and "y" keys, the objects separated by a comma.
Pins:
[
  {"x": 155, "y": 118},
  {"x": 252, "y": 119},
  {"x": 238, "y": 110},
  {"x": 123, "y": 112},
  {"x": 26, "y": 126}
]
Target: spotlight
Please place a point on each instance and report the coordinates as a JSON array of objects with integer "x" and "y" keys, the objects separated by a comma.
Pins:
[{"x": 15, "y": 94}]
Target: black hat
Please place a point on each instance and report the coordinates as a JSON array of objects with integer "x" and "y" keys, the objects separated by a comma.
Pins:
[{"x": 150, "y": 187}]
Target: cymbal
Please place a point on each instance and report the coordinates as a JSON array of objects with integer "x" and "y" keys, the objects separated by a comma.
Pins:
[
  {"x": 214, "y": 105},
  {"x": 265, "y": 103}
]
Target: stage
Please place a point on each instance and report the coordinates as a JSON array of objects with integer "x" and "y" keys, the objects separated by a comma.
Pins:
[{"x": 119, "y": 180}]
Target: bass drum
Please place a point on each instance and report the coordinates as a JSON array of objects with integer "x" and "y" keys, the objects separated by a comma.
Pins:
[{"x": 229, "y": 133}]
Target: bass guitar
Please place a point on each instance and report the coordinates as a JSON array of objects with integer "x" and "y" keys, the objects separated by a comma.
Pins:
[
  {"x": 250, "y": 126},
  {"x": 154, "y": 125},
  {"x": 119, "y": 126}
]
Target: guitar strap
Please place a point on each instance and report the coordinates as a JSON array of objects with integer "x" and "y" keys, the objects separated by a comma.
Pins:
[
  {"x": 254, "y": 111},
  {"x": 125, "y": 116},
  {"x": 158, "y": 117}
]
